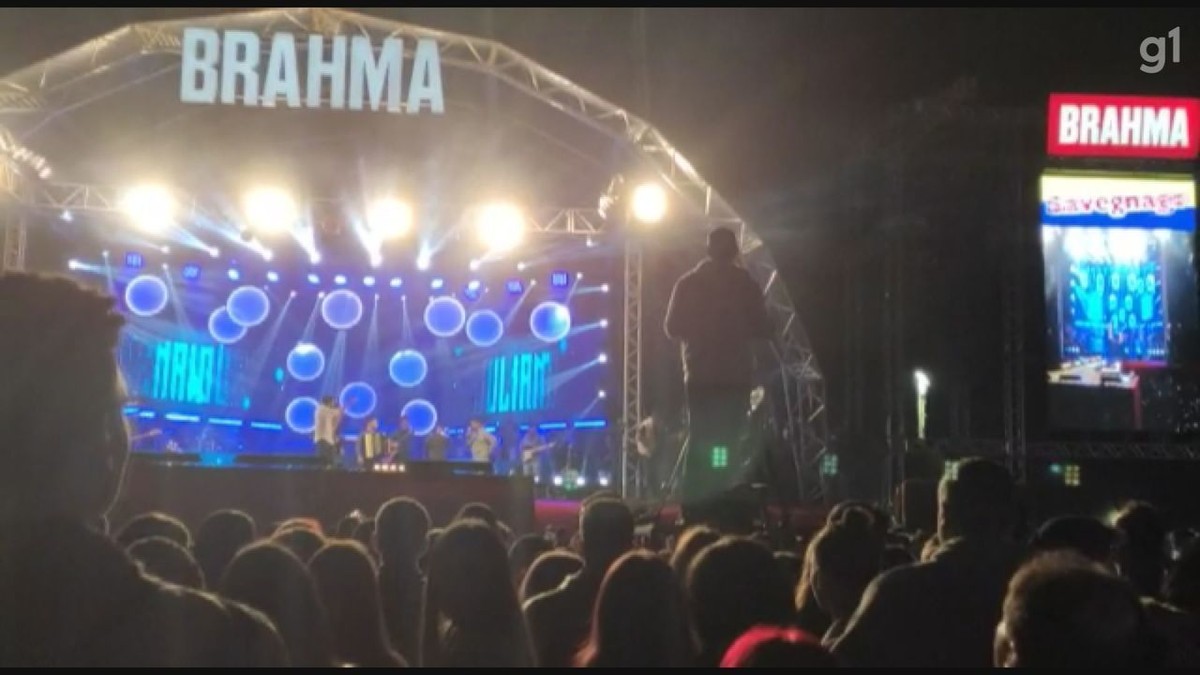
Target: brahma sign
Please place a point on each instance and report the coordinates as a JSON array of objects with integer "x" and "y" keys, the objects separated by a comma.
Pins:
[{"x": 1088, "y": 125}]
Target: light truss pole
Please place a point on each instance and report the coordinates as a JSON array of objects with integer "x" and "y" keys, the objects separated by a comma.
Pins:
[{"x": 631, "y": 368}]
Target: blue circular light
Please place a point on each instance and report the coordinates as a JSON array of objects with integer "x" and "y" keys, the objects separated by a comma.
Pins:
[
  {"x": 223, "y": 328},
  {"x": 485, "y": 328},
  {"x": 408, "y": 368},
  {"x": 301, "y": 415},
  {"x": 444, "y": 317},
  {"x": 342, "y": 309},
  {"x": 550, "y": 321},
  {"x": 146, "y": 295},
  {"x": 421, "y": 415},
  {"x": 248, "y": 306},
  {"x": 306, "y": 362},
  {"x": 357, "y": 399}
]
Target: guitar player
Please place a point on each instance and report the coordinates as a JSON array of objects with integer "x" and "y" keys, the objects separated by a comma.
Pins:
[{"x": 533, "y": 448}]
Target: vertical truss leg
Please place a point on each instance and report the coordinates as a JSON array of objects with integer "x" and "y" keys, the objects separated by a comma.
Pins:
[
  {"x": 631, "y": 411},
  {"x": 15, "y": 235}
]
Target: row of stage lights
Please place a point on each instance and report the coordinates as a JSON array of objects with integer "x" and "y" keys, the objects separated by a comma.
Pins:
[
  {"x": 269, "y": 212},
  {"x": 559, "y": 280}
]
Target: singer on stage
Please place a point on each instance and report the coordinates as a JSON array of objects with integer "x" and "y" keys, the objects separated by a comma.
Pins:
[{"x": 329, "y": 419}]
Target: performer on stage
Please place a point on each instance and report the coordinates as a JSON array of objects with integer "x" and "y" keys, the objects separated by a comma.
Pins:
[
  {"x": 371, "y": 449},
  {"x": 436, "y": 445},
  {"x": 401, "y": 441},
  {"x": 480, "y": 441},
  {"x": 533, "y": 449},
  {"x": 329, "y": 419},
  {"x": 717, "y": 312}
]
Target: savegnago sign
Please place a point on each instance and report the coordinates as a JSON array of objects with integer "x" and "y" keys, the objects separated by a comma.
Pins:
[{"x": 234, "y": 67}]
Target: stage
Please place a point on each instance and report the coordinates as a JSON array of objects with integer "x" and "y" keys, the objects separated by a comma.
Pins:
[{"x": 271, "y": 494}]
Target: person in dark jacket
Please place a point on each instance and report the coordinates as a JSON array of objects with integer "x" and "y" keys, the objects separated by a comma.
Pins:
[
  {"x": 69, "y": 596},
  {"x": 717, "y": 312}
]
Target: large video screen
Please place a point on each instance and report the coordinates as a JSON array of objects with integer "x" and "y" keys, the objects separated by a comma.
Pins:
[{"x": 1121, "y": 304}]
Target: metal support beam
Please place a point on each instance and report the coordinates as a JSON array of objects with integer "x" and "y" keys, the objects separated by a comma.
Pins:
[
  {"x": 631, "y": 367},
  {"x": 15, "y": 235}
]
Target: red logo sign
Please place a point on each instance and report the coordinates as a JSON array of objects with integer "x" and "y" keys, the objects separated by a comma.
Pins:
[{"x": 1087, "y": 125}]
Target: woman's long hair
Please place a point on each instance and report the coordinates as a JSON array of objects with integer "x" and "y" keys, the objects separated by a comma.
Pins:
[
  {"x": 471, "y": 616},
  {"x": 639, "y": 619},
  {"x": 271, "y": 579},
  {"x": 345, "y": 577}
]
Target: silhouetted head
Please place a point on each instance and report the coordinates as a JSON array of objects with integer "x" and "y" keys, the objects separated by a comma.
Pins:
[
  {"x": 301, "y": 541},
  {"x": 723, "y": 245},
  {"x": 478, "y": 511},
  {"x": 154, "y": 524},
  {"x": 1142, "y": 556},
  {"x": 65, "y": 442},
  {"x": 732, "y": 586},
  {"x": 346, "y": 582},
  {"x": 271, "y": 579},
  {"x": 777, "y": 647},
  {"x": 548, "y": 572},
  {"x": 523, "y": 552},
  {"x": 606, "y": 532},
  {"x": 1063, "y": 611},
  {"x": 220, "y": 537},
  {"x": 345, "y": 526},
  {"x": 168, "y": 561},
  {"x": 1183, "y": 584},
  {"x": 639, "y": 618},
  {"x": 401, "y": 526},
  {"x": 846, "y": 556},
  {"x": 979, "y": 502},
  {"x": 688, "y": 546},
  {"x": 328, "y": 401},
  {"x": 1081, "y": 535}
]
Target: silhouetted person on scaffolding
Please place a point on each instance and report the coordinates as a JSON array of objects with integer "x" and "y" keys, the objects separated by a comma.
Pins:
[{"x": 717, "y": 311}]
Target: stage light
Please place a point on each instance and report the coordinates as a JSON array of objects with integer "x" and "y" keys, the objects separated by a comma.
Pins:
[
  {"x": 233, "y": 274},
  {"x": 500, "y": 227},
  {"x": 165, "y": 249},
  {"x": 150, "y": 207},
  {"x": 314, "y": 279},
  {"x": 73, "y": 264},
  {"x": 369, "y": 282},
  {"x": 389, "y": 218},
  {"x": 340, "y": 279},
  {"x": 423, "y": 261},
  {"x": 578, "y": 275},
  {"x": 603, "y": 358},
  {"x": 581, "y": 482},
  {"x": 376, "y": 260},
  {"x": 66, "y": 216},
  {"x": 165, "y": 266},
  {"x": 272, "y": 276},
  {"x": 437, "y": 284},
  {"x": 134, "y": 260},
  {"x": 105, "y": 254},
  {"x": 321, "y": 294},
  {"x": 602, "y": 394},
  {"x": 649, "y": 203},
  {"x": 475, "y": 264},
  {"x": 214, "y": 252},
  {"x": 396, "y": 282},
  {"x": 603, "y": 480},
  {"x": 558, "y": 480},
  {"x": 191, "y": 272},
  {"x": 590, "y": 242},
  {"x": 268, "y": 254},
  {"x": 922, "y": 381},
  {"x": 521, "y": 266},
  {"x": 474, "y": 286},
  {"x": 560, "y": 280},
  {"x": 269, "y": 210},
  {"x": 314, "y": 257},
  {"x": 604, "y": 288},
  {"x": 514, "y": 287},
  {"x": 292, "y": 294},
  {"x": 604, "y": 323}
]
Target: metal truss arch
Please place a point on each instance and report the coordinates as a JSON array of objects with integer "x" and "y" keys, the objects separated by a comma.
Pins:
[{"x": 71, "y": 79}]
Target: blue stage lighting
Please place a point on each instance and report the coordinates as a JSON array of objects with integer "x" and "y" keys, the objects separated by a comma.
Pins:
[
  {"x": 191, "y": 272},
  {"x": 306, "y": 362},
  {"x": 301, "y": 415},
  {"x": 421, "y": 415},
  {"x": 550, "y": 321},
  {"x": 223, "y": 328},
  {"x": 146, "y": 295},
  {"x": 560, "y": 280},
  {"x": 473, "y": 291},
  {"x": 485, "y": 328},
  {"x": 134, "y": 260},
  {"x": 73, "y": 264},
  {"x": 514, "y": 287},
  {"x": 445, "y": 316},
  {"x": 248, "y": 306},
  {"x": 342, "y": 309},
  {"x": 273, "y": 277},
  {"x": 437, "y": 284},
  {"x": 396, "y": 282},
  {"x": 358, "y": 400},
  {"x": 340, "y": 280},
  {"x": 234, "y": 275},
  {"x": 408, "y": 368},
  {"x": 369, "y": 282},
  {"x": 314, "y": 279}
]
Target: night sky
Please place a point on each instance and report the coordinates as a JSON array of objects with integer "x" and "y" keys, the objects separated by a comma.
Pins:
[{"x": 765, "y": 102}]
